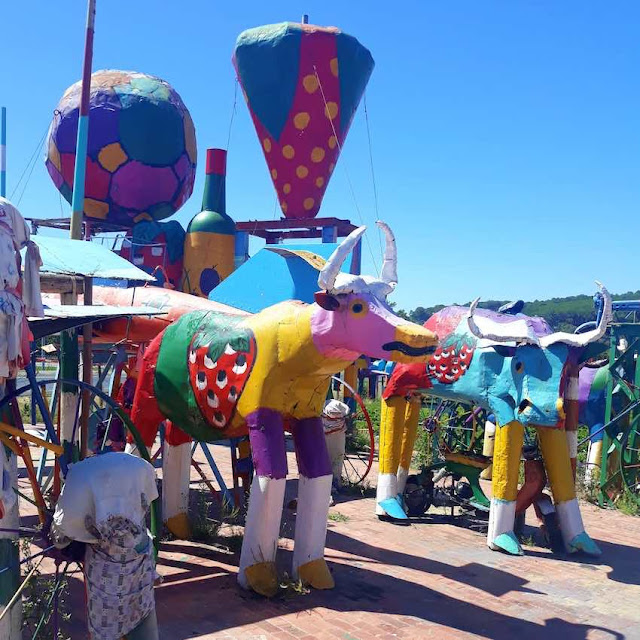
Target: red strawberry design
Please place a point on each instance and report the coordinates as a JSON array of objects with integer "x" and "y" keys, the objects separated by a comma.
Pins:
[
  {"x": 218, "y": 371},
  {"x": 451, "y": 359}
]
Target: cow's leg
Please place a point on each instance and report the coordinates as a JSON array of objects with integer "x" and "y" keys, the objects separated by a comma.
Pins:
[
  {"x": 392, "y": 425},
  {"x": 506, "y": 465},
  {"x": 176, "y": 470},
  {"x": 555, "y": 451},
  {"x": 411, "y": 419},
  {"x": 257, "y": 558},
  {"x": 145, "y": 413},
  {"x": 314, "y": 491}
]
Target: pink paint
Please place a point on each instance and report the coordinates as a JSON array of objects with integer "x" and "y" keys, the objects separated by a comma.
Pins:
[
  {"x": 345, "y": 335},
  {"x": 137, "y": 186}
]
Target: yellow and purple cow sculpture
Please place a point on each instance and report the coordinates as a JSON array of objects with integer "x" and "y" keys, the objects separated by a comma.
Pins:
[
  {"x": 217, "y": 376},
  {"x": 522, "y": 372}
]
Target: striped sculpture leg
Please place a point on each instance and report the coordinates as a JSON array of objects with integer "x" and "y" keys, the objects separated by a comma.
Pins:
[
  {"x": 556, "y": 454},
  {"x": 261, "y": 532},
  {"x": 392, "y": 425},
  {"x": 176, "y": 470},
  {"x": 314, "y": 492},
  {"x": 506, "y": 465}
]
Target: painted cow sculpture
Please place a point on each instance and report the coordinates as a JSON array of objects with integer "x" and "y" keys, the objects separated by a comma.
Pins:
[
  {"x": 218, "y": 376},
  {"x": 521, "y": 371}
]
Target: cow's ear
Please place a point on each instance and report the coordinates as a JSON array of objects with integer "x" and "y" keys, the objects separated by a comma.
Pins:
[
  {"x": 326, "y": 301},
  {"x": 504, "y": 350}
]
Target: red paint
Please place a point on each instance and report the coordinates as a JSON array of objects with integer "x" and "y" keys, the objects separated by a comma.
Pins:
[
  {"x": 317, "y": 49},
  {"x": 216, "y": 162}
]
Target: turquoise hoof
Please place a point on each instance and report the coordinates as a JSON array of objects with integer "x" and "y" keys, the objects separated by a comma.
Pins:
[
  {"x": 508, "y": 543},
  {"x": 583, "y": 543},
  {"x": 393, "y": 509}
]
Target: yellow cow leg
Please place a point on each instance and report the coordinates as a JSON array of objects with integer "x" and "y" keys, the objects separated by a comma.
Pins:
[
  {"x": 392, "y": 420},
  {"x": 411, "y": 419},
  {"x": 506, "y": 466},
  {"x": 557, "y": 461}
]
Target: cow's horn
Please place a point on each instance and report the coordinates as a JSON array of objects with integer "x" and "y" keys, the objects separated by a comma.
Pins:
[
  {"x": 331, "y": 269},
  {"x": 515, "y": 331},
  {"x": 583, "y": 339},
  {"x": 389, "y": 273}
]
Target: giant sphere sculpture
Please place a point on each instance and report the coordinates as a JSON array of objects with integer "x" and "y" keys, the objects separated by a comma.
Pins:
[{"x": 141, "y": 156}]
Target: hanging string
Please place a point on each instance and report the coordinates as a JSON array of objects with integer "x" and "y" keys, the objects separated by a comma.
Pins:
[
  {"x": 31, "y": 163},
  {"x": 233, "y": 112},
  {"x": 373, "y": 175},
  {"x": 346, "y": 172}
]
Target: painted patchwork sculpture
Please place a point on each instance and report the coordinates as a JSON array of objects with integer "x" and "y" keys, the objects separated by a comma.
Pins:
[
  {"x": 521, "y": 371},
  {"x": 218, "y": 376}
]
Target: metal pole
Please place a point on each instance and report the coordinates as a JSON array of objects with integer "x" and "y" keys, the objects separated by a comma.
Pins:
[
  {"x": 3, "y": 153},
  {"x": 77, "y": 200}
]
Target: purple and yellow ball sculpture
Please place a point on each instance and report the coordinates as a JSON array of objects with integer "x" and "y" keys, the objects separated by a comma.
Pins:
[{"x": 141, "y": 158}]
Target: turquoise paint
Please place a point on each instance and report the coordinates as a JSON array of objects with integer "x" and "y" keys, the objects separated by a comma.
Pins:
[
  {"x": 267, "y": 62},
  {"x": 79, "y": 173},
  {"x": 355, "y": 64}
]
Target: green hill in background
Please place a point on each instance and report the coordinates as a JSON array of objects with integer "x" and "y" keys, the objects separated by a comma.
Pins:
[{"x": 563, "y": 314}]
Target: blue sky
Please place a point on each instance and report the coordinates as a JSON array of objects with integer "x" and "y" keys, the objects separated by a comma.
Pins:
[{"x": 505, "y": 135}]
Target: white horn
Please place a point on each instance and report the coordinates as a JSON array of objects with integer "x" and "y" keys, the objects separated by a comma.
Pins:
[
  {"x": 389, "y": 272},
  {"x": 515, "y": 331},
  {"x": 583, "y": 339},
  {"x": 331, "y": 269}
]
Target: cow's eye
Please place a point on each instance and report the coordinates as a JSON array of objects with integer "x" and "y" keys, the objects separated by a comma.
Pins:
[
  {"x": 519, "y": 367},
  {"x": 358, "y": 308}
]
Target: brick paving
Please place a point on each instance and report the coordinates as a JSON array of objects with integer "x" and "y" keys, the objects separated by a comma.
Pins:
[{"x": 433, "y": 579}]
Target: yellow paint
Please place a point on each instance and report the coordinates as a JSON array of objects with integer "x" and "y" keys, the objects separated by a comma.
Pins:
[
  {"x": 190, "y": 138},
  {"x": 332, "y": 142},
  {"x": 142, "y": 216},
  {"x": 302, "y": 171},
  {"x": 19, "y": 433},
  {"x": 332, "y": 166},
  {"x": 317, "y": 155},
  {"x": 204, "y": 250},
  {"x": 301, "y": 120},
  {"x": 263, "y": 578},
  {"x": 288, "y": 151},
  {"x": 95, "y": 208},
  {"x": 560, "y": 408},
  {"x": 555, "y": 451},
  {"x": 112, "y": 157},
  {"x": 331, "y": 110},
  {"x": 179, "y": 526},
  {"x": 319, "y": 182},
  {"x": 274, "y": 174},
  {"x": 316, "y": 574},
  {"x": 334, "y": 66},
  {"x": 308, "y": 203},
  {"x": 54, "y": 155},
  {"x": 289, "y": 372},
  {"x": 411, "y": 419},
  {"x": 392, "y": 416},
  {"x": 310, "y": 83},
  {"x": 350, "y": 378},
  {"x": 461, "y": 458},
  {"x": 506, "y": 460},
  {"x": 284, "y": 206},
  {"x": 286, "y": 189},
  {"x": 266, "y": 145}
]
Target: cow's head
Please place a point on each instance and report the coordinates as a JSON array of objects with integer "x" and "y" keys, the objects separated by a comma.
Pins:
[
  {"x": 524, "y": 366},
  {"x": 352, "y": 317}
]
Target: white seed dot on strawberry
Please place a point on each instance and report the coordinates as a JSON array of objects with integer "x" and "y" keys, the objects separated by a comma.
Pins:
[
  {"x": 212, "y": 400},
  {"x": 221, "y": 379},
  {"x": 201, "y": 380},
  {"x": 229, "y": 350},
  {"x": 209, "y": 363},
  {"x": 192, "y": 356}
]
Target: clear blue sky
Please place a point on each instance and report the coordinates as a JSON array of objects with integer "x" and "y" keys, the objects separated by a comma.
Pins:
[{"x": 505, "y": 135}]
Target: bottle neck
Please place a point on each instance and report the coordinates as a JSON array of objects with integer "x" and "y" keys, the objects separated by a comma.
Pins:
[{"x": 214, "y": 198}]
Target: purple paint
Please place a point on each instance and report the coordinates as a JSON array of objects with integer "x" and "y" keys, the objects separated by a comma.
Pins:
[
  {"x": 585, "y": 380},
  {"x": 266, "y": 435},
  {"x": 311, "y": 448},
  {"x": 138, "y": 186}
]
